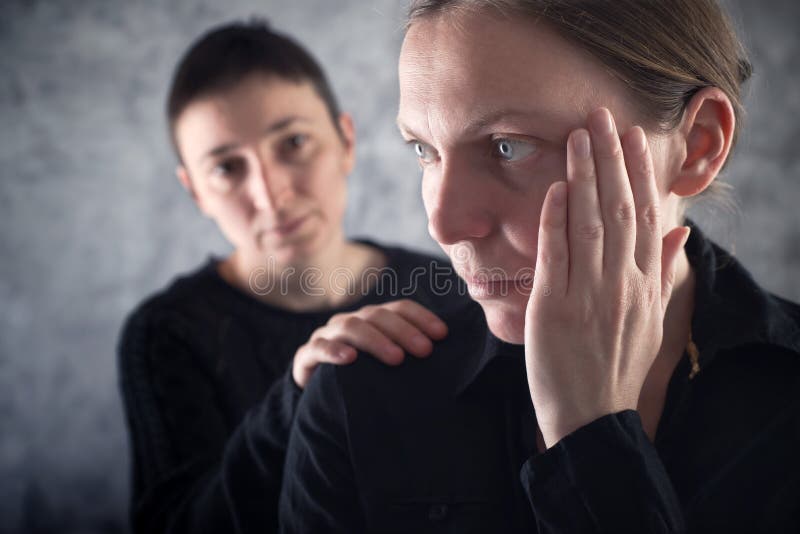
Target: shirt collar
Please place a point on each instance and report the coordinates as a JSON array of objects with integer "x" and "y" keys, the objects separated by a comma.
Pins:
[
  {"x": 730, "y": 310},
  {"x": 483, "y": 355}
]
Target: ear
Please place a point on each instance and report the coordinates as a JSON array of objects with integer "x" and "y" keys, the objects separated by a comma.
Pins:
[
  {"x": 348, "y": 130},
  {"x": 707, "y": 133},
  {"x": 186, "y": 181}
]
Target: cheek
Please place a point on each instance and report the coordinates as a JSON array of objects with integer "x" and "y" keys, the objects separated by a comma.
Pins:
[
  {"x": 325, "y": 182},
  {"x": 427, "y": 194},
  {"x": 520, "y": 221},
  {"x": 233, "y": 212},
  {"x": 233, "y": 217}
]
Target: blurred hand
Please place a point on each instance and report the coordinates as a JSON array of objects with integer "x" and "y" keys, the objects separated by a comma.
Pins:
[{"x": 385, "y": 331}]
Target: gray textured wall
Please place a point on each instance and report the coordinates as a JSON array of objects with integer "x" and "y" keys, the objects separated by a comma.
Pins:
[{"x": 93, "y": 219}]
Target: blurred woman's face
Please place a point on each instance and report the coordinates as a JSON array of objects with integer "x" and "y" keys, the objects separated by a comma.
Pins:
[
  {"x": 266, "y": 163},
  {"x": 487, "y": 103}
]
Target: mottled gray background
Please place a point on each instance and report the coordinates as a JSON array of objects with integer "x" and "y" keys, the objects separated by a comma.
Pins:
[{"x": 93, "y": 219}]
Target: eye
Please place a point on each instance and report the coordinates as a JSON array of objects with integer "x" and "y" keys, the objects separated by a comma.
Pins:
[
  {"x": 295, "y": 142},
  {"x": 425, "y": 153},
  {"x": 229, "y": 168},
  {"x": 512, "y": 149},
  {"x": 296, "y": 148}
]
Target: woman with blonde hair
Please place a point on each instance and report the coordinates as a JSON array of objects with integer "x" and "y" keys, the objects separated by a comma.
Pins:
[{"x": 634, "y": 378}]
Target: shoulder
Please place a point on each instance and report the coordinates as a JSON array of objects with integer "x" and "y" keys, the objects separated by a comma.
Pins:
[
  {"x": 368, "y": 384},
  {"x": 168, "y": 312},
  {"x": 183, "y": 292}
]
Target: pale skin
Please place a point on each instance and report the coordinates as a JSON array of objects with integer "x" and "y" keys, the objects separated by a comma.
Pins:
[
  {"x": 534, "y": 155},
  {"x": 264, "y": 160}
]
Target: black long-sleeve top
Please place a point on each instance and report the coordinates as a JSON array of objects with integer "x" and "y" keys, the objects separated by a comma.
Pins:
[
  {"x": 447, "y": 444},
  {"x": 209, "y": 398}
]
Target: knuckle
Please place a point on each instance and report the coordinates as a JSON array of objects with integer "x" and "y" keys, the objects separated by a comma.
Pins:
[
  {"x": 611, "y": 152},
  {"x": 650, "y": 215},
  {"x": 622, "y": 212},
  {"x": 337, "y": 319},
  {"x": 625, "y": 213},
  {"x": 368, "y": 309},
  {"x": 379, "y": 313},
  {"x": 398, "y": 304},
  {"x": 590, "y": 231},
  {"x": 351, "y": 322},
  {"x": 587, "y": 175},
  {"x": 644, "y": 167},
  {"x": 552, "y": 257}
]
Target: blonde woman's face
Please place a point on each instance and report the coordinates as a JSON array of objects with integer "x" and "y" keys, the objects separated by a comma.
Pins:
[{"x": 487, "y": 104}]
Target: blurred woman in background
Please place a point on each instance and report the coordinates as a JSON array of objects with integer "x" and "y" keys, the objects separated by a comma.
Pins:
[{"x": 212, "y": 366}]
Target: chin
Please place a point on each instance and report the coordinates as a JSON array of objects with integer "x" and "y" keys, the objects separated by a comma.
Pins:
[
  {"x": 296, "y": 252},
  {"x": 506, "y": 318}
]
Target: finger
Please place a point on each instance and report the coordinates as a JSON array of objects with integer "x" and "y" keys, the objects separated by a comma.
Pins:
[
  {"x": 614, "y": 192},
  {"x": 323, "y": 350},
  {"x": 315, "y": 352},
  {"x": 552, "y": 256},
  {"x": 394, "y": 325},
  {"x": 674, "y": 242},
  {"x": 584, "y": 221},
  {"x": 645, "y": 198},
  {"x": 421, "y": 317},
  {"x": 362, "y": 335}
]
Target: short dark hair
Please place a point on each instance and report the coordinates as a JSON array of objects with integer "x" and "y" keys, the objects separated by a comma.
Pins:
[{"x": 225, "y": 55}]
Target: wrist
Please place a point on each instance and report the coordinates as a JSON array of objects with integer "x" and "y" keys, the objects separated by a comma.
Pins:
[{"x": 555, "y": 429}]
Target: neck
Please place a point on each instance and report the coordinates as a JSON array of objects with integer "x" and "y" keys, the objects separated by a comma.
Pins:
[{"x": 327, "y": 279}]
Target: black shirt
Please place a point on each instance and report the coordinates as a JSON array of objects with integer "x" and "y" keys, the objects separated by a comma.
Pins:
[
  {"x": 447, "y": 444},
  {"x": 209, "y": 400}
]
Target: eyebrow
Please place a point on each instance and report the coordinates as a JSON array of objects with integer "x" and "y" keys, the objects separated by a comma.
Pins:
[
  {"x": 276, "y": 126},
  {"x": 483, "y": 121}
]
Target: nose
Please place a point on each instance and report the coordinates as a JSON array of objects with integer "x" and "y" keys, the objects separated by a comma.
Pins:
[
  {"x": 270, "y": 185},
  {"x": 458, "y": 203}
]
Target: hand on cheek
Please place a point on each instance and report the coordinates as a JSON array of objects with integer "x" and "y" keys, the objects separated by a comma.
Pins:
[{"x": 604, "y": 276}]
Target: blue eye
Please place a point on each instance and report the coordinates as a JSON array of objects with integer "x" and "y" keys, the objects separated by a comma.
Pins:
[
  {"x": 425, "y": 153},
  {"x": 512, "y": 149}
]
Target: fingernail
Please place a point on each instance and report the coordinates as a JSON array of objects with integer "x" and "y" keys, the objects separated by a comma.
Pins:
[
  {"x": 441, "y": 329},
  {"x": 581, "y": 144},
  {"x": 602, "y": 122},
  {"x": 559, "y": 194},
  {"x": 638, "y": 142},
  {"x": 344, "y": 353},
  {"x": 420, "y": 342},
  {"x": 686, "y": 239},
  {"x": 394, "y": 350}
]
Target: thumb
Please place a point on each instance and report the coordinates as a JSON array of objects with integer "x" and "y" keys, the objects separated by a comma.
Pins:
[{"x": 671, "y": 247}]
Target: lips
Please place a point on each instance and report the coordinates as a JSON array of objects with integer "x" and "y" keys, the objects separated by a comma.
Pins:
[
  {"x": 289, "y": 226},
  {"x": 493, "y": 284}
]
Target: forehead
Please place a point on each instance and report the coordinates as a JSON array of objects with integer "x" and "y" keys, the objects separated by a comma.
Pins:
[
  {"x": 243, "y": 110},
  {"x": 254, "y": 99},
  {"x": 474, "y": 63}
]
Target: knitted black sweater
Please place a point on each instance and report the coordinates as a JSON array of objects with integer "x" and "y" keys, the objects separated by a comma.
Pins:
[{"x": 208, "y": 398}]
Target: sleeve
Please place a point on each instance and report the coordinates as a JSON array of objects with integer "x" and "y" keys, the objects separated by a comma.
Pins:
[
  {"x": 188, "y": 475},
  {"x": 319, "y": 491},
  {"x": 604, "y": 477}
]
